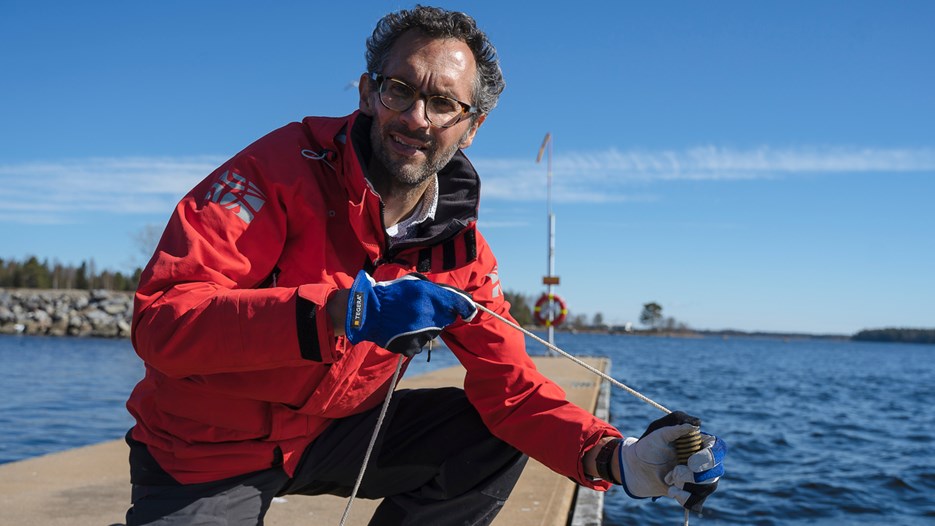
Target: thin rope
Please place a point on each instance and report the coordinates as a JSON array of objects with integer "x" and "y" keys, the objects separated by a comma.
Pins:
[
  {"x": 603, "y": 375},
  {"x": 598, "y": 372},
  {"x": 373, "y": 440}
]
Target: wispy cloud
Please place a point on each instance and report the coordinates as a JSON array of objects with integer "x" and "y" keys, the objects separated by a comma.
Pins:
[
  {"x": 55, "y": 191},
  {"x": 615, "y": 175}
]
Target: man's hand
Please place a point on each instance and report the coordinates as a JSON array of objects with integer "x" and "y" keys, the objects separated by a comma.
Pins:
[
  {"x": 648, "y": 465},
  {"x": 691, "y": 484},
  {"x": 404, "y": 314}
]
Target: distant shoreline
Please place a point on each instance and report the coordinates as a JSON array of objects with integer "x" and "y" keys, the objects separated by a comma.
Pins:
[
  {"x": 66, "y": 312},
  {"x": 703, "y": 333},
  {"x": 108, "y": 314},
  {"x": 887, "y": 335}
]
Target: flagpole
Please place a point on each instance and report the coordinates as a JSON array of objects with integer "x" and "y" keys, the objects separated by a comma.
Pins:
[
  {"x": 551, "y": 249},
  {"x": 550, "y": 278}
]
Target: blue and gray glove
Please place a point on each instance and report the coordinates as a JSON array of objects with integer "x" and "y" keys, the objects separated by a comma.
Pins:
[
  {"x": 404, "y": 314},
  {"x": 649, "y": 467}
]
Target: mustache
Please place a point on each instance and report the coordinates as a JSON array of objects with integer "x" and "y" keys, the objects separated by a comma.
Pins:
[{"x": 409, "y": 134}]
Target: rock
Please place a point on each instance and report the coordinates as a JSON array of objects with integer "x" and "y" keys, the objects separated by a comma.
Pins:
[
  {"x": 101, "y": 313},
  {"x": 99, "y": 295},
  {"x": 123, "y": 328},
  {"x": 42, "y": 318},
  {"x": 6, "y": 315},
  {"x": 114, "y": 308}
]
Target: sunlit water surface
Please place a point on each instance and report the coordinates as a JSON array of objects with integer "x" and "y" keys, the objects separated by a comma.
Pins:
[{"x": 821, "y": 432}]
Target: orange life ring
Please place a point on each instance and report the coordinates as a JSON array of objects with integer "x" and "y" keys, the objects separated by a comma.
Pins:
[{"x": 541, "y": 311}]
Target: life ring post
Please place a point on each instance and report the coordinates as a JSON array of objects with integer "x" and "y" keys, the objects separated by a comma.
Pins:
[{"x": 550, "y": 310}]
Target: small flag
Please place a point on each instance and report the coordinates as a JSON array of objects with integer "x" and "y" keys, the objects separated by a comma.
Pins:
[
  {"x": 235, "y": 193},
  {"x": 545, "y": 142}
]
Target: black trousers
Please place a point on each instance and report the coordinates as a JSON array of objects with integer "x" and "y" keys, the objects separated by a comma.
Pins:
[{"x": 434, "y": 462}]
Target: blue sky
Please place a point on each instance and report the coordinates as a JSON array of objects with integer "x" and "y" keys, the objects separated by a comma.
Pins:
[{"x": 747, "y": 165}]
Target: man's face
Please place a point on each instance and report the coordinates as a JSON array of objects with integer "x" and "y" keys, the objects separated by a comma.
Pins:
[{"x": 405, "y": 143}]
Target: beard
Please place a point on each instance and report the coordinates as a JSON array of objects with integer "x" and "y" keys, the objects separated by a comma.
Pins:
[{"x": 409, "y": 172}]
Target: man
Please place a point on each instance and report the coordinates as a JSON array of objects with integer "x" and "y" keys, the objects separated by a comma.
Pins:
[{"x": 290, "y": 283}]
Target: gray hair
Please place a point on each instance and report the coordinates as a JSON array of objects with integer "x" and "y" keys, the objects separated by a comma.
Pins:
[{"x": 439, "y": 23}]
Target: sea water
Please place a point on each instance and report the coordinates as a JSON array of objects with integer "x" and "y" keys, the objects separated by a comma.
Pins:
[
  {"x": 820, "y": 431},
  {"x": 60, "y": 393}
]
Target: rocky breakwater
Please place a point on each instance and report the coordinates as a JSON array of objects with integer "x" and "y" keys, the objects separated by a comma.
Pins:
[{"x": 101, "y": 313}]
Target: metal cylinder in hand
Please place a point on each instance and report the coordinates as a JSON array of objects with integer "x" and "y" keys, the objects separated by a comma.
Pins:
[{"x": 687, "y": 445}]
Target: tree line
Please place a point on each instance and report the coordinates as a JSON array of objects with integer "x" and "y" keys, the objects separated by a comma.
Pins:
[
  {"x": 896, "y": 335},
  {"x": 34, "y": 274},
  {"x": 522, "y": 305}
]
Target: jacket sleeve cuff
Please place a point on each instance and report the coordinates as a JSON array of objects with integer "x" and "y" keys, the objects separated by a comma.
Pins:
[
  {"x": 585, "y": 480},
  {"x": 313, "y": 327}
]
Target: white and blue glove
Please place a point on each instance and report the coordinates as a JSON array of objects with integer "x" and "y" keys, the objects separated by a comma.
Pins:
[
  {"x": 404, "y": 314},
  {"x": 649, "y": 466},
  {"x": 691, "y": 484}
]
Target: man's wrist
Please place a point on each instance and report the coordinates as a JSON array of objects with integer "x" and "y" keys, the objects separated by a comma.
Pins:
[
  {"x": 336, "y": 308},
  {"x": 606, "y": 461}
]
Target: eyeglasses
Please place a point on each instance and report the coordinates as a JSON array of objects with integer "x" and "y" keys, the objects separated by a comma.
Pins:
[{"x": 440, "y": 111}]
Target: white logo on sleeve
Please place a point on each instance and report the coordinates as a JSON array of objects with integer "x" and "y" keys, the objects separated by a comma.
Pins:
[
  {"x": 237, "y": 194},
  {"x": 495, "y": 279}
]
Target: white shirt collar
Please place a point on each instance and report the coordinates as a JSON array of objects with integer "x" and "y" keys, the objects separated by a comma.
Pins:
[{"x": 424, "y": 211}]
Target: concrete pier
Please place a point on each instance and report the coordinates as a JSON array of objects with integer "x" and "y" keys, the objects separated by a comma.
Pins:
[{"x": 90, "y": 486}]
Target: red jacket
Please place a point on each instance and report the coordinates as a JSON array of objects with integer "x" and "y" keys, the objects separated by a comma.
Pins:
[{"x": 243, "y": 369}]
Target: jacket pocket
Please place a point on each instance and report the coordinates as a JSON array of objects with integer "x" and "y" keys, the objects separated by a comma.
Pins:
[{"x": 286, "y": 423}]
